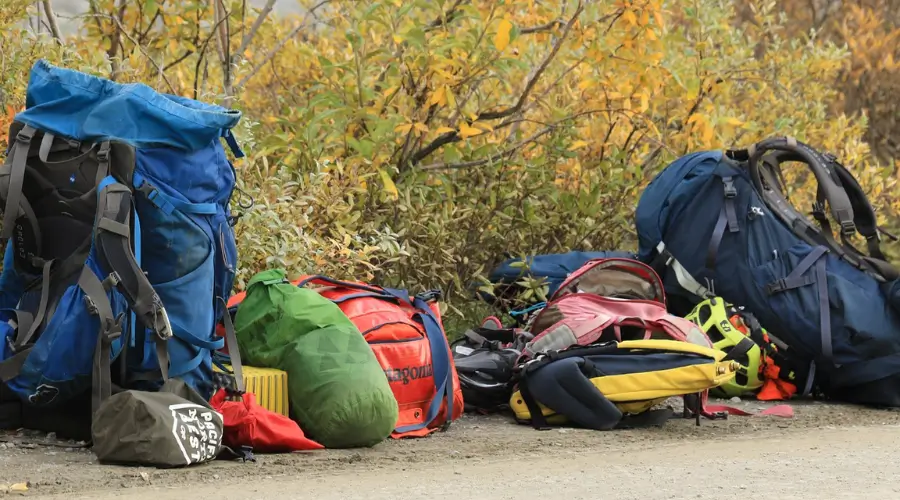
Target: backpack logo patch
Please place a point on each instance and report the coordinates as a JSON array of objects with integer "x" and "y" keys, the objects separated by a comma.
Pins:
[
  {"x": 409, "y": 373},
  {"x": 44, "y": 395}
]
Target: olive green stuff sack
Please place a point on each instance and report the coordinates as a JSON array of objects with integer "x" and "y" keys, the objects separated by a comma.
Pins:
[{"x": 338, "y": 392}]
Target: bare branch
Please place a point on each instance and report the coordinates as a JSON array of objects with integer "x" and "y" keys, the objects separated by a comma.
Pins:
[
  {"x": 448, "y": 16},
  {"x": 51, "y": 20},
  {"x": 542, "y": 27},
  {"x": 162, "y": 73},
  {"x": 201, "y": 57},
  {"x": 490, "y": 159},
  {"x": 272, "y": 53},
  {"x": 248, "y": 37},
  {"x": 535, "y": 75}
]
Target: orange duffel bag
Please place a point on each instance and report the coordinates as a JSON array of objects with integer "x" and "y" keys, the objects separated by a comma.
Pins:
[{"x": 406, "y": 334}]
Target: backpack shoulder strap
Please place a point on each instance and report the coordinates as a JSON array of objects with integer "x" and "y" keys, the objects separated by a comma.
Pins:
[{"x": 846, "y": 200}]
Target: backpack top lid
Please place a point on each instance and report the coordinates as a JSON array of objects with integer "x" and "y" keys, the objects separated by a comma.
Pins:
[{"x": 84, "y": 107}]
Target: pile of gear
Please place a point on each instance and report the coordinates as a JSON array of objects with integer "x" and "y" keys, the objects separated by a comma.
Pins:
[{"x": 774, "y": 304}]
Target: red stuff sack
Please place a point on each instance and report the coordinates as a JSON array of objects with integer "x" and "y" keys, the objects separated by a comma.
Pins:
[
  {"x": 407, "y": 337},
  {"x": 248, "y": 424}
]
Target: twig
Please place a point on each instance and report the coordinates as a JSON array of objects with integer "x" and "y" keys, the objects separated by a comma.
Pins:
[
  {"x": 278, "y": 47},
  {"x": 449, "y": 137},
  {"x": 201, "y": 57},
  {"x": 248, "y": 37},
  {"x": 542, "y": 27},
  {"x": 490, "y": 159},
  {"x": 51, "y": 20},
  {"x": 447, "y": 16},
  {"x": 162, "y": 73}
]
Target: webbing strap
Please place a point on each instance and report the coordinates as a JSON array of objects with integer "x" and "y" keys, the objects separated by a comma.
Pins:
[
  {"x": 727, "y": 218},
  {"x": 12, "y": 366},
  {"x": 538, "y": 421},
  {"x": 169, "y": 204},
  {"x": 796, "y": 279},
  {"x": 824, "y": 310},
  {"x": 38, "y": 319},
  {"x": 13, "y": 192},
  {"x": 796, "y": 275},
  {"x": 234, "y": 352},
  {"x": 97, "y": 302}
]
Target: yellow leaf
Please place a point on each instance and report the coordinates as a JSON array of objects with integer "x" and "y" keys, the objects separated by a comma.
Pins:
[
  {"x": 645, "y": 17},
  {"x": 451, "y": 99},
  {"x": 440, "y": 96},
  {"x": 695, "y": 117},
  {"x": 398, "y": 39},
  {"x": 389, "y": 185},
  {"x": 650, "y": 34},
  {"x": 734, "y": 122},
  {"x": 445, "y": 130},
  {"x": 421, "y": 127},
  {"x": 657, "y": 16},
  {"x": 645, "y": 102},
  {"x": 501, "y": 39},
  {"x": 472, "y": 116},
  {"x": 629, "y": 17},
  {"x": 465, "y": 131},
  {"x": 484, "y": 126},
  {"x": 577, "y": 144},
  {"x": 404, "y": 129},
  {"x": 707, "y": 134}
]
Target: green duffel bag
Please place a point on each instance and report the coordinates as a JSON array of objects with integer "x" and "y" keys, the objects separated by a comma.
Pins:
[{"x": 337, "y": 390}]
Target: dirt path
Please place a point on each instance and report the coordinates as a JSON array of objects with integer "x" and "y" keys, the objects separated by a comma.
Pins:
[{"x": 826, "y": 451}]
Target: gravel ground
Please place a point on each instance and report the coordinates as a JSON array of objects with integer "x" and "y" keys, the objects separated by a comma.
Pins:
[{"x": 824, "y": 451}]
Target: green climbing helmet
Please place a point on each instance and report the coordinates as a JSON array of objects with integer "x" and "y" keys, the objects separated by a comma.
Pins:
[{"x": 726, "y": 327}]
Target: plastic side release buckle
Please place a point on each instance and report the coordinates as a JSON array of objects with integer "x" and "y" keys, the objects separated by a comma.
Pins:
[
  {"x": 776, "y": 286},
  {"x": 730, "y": 190}
]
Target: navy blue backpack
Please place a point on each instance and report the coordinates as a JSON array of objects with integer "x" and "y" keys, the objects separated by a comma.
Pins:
[
  {"x": 555, "y": 268},
  {"x": 119, "y": 241},
  {"x": 718, "y": 223}
]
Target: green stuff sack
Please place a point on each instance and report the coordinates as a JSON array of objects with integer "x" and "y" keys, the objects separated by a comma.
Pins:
[{"x": 337, "y": 390}]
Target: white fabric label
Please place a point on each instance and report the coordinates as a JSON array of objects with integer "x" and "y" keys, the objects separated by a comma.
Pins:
[{"x": 198, "y": 431}]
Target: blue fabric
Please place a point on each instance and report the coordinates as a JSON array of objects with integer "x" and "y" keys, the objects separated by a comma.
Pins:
[
  {"x": 554, "y": 267},
  {"x": 87, "y": 108},
  {"x": 60, "y": 363},
  {"x": 681, "y": 206}
]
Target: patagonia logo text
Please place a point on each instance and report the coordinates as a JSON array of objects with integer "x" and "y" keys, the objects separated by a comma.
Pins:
[{"x": 409, "y": 373}]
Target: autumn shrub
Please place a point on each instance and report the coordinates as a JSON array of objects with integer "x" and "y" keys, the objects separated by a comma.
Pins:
[{"x": 418, "y": 143}]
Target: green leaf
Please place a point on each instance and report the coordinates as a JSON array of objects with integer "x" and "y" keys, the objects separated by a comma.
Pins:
[{"x": 415, "y": 36}]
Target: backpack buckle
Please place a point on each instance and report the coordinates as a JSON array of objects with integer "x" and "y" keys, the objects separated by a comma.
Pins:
[
  {"x": 103, "y": 152},
  {"x": 24, "y": 137},
  {"x": 848, "y": 228},
  {"x": 90, "y": 305},
  {"x": 730, "y": 190},
  {"x": 776, "y": 286}
]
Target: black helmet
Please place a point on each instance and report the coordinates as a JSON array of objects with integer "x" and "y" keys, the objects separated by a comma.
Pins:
[{"x": 484, "y": 359}]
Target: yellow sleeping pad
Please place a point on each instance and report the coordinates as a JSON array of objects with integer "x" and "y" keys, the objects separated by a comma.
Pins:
[
  {"x": 648, "y": 381},
  {"x": 268, "y": 385}
]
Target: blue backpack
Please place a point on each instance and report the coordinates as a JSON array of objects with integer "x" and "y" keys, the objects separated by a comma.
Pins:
[
  {"x": 555, "y": 268},
  {"x": 119, "y": 240},
  {"x": 719, "y": 223}
]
